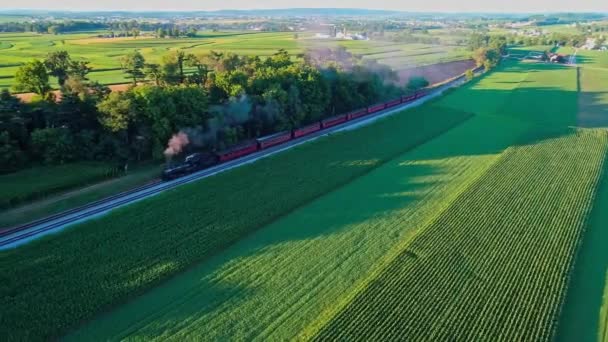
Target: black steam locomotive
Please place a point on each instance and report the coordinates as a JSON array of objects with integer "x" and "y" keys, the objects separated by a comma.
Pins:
[{"x": 192, "y": 163}]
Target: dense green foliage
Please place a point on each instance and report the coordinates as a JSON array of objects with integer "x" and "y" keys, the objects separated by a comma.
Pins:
[
  {"x": 32, "y": 184},
  {"x": 225, "y": 99},
  {"x": 107, "y": 263}
]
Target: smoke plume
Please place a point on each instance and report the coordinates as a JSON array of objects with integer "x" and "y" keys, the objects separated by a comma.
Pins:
[{"x": 176, "y": 144}]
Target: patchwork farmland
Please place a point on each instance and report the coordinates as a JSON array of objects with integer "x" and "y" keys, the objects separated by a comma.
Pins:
[
  {"x": 104, "y": 53},
  {"x": 468, "y": 218}
]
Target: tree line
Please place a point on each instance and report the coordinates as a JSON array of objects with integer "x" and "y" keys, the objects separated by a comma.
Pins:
[{"x": 218, "y": 99}]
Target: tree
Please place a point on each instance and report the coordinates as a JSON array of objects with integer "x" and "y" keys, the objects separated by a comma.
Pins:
[
  {"x": 192, "y": 32},
  {"x": 469, "y": 74},
  {"x": 58, "y": 64},
  {"x": 33, "y": 77},
  {"x": 11, "y": 157},
  {"x": 199, "y": 77},
  {"x": 53, "y": 145},
  {"x": 54, "y": 29},
  {"x": 417, "y": 82},
  {"x": 154, "y": 73},
  {"x": 115, "y": 112},
  {"x": 133, "y": 65}
]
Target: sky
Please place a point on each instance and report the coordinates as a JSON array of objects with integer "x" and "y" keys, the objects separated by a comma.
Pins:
[{"x": 404, "y": 5}]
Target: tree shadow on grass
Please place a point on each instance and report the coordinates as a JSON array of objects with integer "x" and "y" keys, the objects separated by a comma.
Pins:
[{"x": 580, "y": 319}]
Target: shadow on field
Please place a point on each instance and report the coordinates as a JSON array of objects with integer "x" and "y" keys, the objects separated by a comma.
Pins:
[
  {"x": 214, "y": 299},
  {"x": 581, "y": 318},
  {"x": 593, "y": 109}
]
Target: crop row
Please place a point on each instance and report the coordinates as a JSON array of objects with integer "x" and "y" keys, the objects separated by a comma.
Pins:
[
  {"x": 104, "y": 262},
  {"x": 286, "y": 279},
  {"x": 495, "y": 265}
]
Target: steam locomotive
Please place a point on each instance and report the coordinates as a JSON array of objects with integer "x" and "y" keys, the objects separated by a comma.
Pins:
[{"x": 200, "y": 161}]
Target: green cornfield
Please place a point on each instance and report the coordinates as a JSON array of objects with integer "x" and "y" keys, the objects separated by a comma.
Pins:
[
  {"x": 104, "y": 262},
  {"x": 495, "y": 265}
]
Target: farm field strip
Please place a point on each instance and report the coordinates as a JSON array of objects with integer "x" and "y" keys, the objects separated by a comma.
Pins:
[
  {"x": 593, "y": 98},
  {"x": 188, "y": 225},
  {"x": 584, "y": 314},
  {"x": 327, "y": 255},
  {"x": 585, "y": 309},
  {"x": 495, "y": 264}
]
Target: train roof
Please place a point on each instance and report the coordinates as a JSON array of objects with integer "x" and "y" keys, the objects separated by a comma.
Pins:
[
  {"x": 272, "y": 136},
  {"x": 238, "y": 146}
]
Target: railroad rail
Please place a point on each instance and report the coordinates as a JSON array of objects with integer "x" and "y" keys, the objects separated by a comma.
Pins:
[{"x": 16, "y": 236}]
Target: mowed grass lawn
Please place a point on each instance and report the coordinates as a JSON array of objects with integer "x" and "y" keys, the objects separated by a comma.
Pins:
[
  {"x": 303, "y": 275},
  {"x": 104, "y": 262},
  {"x": 104, "y": 53},
  {"x": 39, "y": 182}
]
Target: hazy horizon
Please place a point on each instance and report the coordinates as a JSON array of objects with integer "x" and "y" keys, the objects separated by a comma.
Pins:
[{"x": 515, "y": 6}]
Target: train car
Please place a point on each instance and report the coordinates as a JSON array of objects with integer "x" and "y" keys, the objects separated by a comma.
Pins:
[
  {"x": 300, "y": 132},
  {"x": 376, "y": 108},
  {"x": 274, "y": 139},
  {"x": 237, "y": 151},
  {"x": 420, "y": 94},
  {"x": 406, "y": 99},
  {"x": 357, "y": 114},
  {"x": 393, "y": 103},
  {"x": 333, "y": 121}
]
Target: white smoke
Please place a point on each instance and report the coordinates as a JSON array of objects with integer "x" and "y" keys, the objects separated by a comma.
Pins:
[{"x": 176, "y": 144}]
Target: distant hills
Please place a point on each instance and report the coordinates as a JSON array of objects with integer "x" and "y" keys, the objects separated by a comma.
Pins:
[{"x": 292, "y": 12}]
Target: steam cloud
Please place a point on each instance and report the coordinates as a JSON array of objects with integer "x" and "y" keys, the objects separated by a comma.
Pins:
[{"x": 176, "y": 144}]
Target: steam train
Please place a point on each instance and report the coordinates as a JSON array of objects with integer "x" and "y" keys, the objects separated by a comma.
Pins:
[{"x": 200, "y": 161}]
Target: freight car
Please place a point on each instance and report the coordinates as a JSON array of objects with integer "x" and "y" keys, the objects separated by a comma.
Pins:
[{"x": 200, "y": 161}]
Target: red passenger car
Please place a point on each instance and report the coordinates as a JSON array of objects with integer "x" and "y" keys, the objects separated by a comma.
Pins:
[
  {"x": 405, "y": 99},
  {"x": 376, "y": 108},
  {"x": 357, "y": 114},
  {"x": 237, "y": 151},
  {"x": 336, "y": 120},
  {"x": 300, "y": 132},
  {"x": 274, "y": 139},
  {"x": 393, "y": 103}
]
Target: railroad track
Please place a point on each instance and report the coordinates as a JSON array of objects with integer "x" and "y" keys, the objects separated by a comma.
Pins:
[{"x": 16, "y": 236}]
